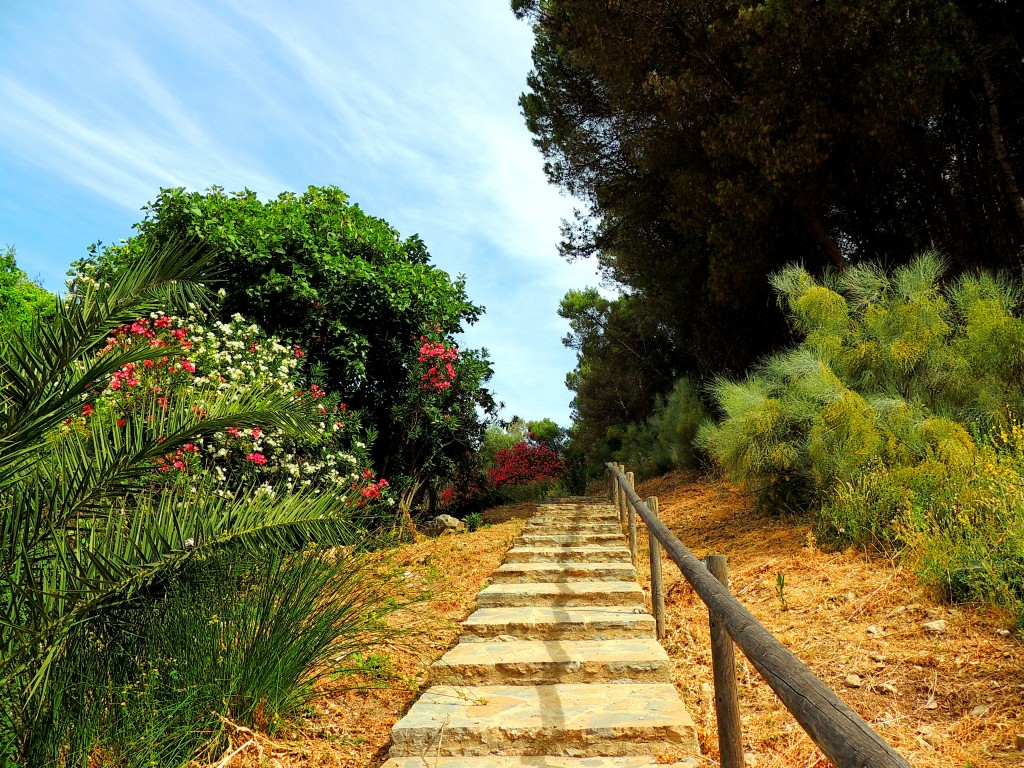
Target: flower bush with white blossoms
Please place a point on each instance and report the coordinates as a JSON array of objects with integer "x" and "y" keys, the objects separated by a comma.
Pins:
[{"x": 207, "y": 355}]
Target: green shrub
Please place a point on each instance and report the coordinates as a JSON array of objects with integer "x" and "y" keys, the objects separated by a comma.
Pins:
[
  {"x": 666, "y": 440},
  {"x": 474, "y": 521},
  {"x": 238, "y": 637},
  {"x": 895, "y": 416}
]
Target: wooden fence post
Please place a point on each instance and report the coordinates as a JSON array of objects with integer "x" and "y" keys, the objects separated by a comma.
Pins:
[
  {"x": 723, "y": 662},
  {"x": 620, "y": 496},
  {"x": 657, "y": 584},
  {"x": 631, "y": 513}
]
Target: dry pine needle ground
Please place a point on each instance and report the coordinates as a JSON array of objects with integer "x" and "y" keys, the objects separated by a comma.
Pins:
[{"x": 950, "y": 699}]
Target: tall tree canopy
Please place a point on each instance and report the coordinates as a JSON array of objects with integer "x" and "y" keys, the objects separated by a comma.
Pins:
[
  {"x": 352, "y": 294},
  {"x": 713, "y": 143}
]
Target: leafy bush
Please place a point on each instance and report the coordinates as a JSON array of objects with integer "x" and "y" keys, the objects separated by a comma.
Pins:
[
  {"x": 474, "y": 521},
  {"x": 526, "y": 471},
  {"x": 891, "y": 368},
  {"x": 895, "y": 414},
  {"x": 316, "y": 270}
]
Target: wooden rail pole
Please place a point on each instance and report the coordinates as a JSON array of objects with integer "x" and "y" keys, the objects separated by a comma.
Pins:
[
  {"x": 620, "y": 497},
  {"x": 841, "y": 733},
  {"x": 657, "y": 583},
  {"x": 723, "y": 663},
  {"x": 631, "y": 513}
]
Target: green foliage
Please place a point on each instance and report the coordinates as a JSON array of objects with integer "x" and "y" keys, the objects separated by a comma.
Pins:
[
  {"x": 21, "y": 300},
  {"x": 623, "y": 363},
  {"x": 314, "y": 270},
  {"x": 890, "y": 369},
  {"x": 666, "y": 440},
  {"x": 100, "y": 566},
  {"x": 474, "y": 521},
  {"x": 897, "y": 415},
  {"x": 236, "y": 636}
]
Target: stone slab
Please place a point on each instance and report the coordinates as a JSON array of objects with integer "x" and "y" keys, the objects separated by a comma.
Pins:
[
  {"x": 562, "y": 526},
  {"x": 562, "y": 720},
  {"x": 569, "y": 594},
  {"x": 558, "y": 623},
  {"x": 569, "y": 539},
  {"x": 568, "y": 555},
  {"x": 534, "y": 761},
  {"x": 535, "y": 662},
  {"x": 557, "y": 573}
]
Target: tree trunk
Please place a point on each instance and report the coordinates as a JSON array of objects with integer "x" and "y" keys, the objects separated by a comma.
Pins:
[{"x": 995, "y": 130}]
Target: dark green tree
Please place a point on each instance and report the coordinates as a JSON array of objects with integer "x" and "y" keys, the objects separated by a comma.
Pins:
[
  {"x": 624, "y": 361},
  {"x": 715, "y": 142}
]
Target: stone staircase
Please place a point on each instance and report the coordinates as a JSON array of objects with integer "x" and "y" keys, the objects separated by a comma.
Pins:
[{"x": 559, "y": 666}]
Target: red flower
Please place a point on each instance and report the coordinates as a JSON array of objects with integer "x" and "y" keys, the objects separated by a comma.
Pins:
[{"x": 257, "y": 458}]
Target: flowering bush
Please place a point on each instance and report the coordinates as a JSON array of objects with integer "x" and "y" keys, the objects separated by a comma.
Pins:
[
  {"x": 525, "y": 462},
  {"x": 438, "y": 358},
  {"x": 197, "y": 356}
]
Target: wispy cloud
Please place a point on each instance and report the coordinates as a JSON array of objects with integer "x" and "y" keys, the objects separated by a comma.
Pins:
[{"x": 411, "y": 108}]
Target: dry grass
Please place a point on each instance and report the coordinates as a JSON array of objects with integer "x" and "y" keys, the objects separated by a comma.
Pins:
[
  {"x": 953, "y": 699},
  {"x": 350, "y": 727}
]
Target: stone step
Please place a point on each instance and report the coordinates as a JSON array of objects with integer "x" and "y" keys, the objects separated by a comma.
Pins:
[
  {"x": 557, "y": 624},
  {"x": 610, "y": 517},
  {"x": 567, "y": 595},
  {"x": 558, "y": 573},
  {"x": 564, "y": 527},
  {"x": 569, "y": 539},
  {"x": 535, "y": 761},
  {"x": 568, "y": 555},
  {"x": 565, "y": 719},
  {"x": 536, "y": 662}
]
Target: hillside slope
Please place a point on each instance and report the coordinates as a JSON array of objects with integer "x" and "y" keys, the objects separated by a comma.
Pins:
[{"x": 942, "y": 699}]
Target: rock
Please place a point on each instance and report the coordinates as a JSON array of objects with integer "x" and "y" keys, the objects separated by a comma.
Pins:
[
  {"x": 887, "y": 688},
  {"x": 937, "y": 627},
  {"x": 707, "y": 689},
  {"x": 876, "y": 656},
  {"x": 440, "y": 524},
  {"x": 933, "y": 613},
  {"x": 850, "y": 597},
  {"x": 981, "y": 710},
  {"x": 1003, "y": 632},
  {"x": 931, "y": 703},
  {"x": 854, "y": 681},
  {"x": 873, "y": 630}
]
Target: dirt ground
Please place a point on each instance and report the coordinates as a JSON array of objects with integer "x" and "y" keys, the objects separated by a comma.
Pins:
[
  {"x": 949, "y": 699},
  {"x": 942, "y": 700}
]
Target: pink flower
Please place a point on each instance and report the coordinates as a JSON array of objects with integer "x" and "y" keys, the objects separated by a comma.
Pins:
[
  {"x": 188, "y": 365},
  {"x": 257, "y": 458}
]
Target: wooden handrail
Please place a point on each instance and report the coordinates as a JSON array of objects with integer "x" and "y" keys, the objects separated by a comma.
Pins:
[{"x": 839, "y": 732}]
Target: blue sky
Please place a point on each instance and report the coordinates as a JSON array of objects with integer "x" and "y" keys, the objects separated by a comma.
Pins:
[{"x": 410, "y": 107}]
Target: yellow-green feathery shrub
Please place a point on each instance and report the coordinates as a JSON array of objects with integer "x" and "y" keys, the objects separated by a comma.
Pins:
[{"x": 896, "y": 414}]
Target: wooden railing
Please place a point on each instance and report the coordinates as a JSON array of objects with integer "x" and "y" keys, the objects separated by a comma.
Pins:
[{"x": 839, "y": 732}]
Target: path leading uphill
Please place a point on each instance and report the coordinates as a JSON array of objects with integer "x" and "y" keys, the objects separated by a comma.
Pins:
[{"x": 559, "y": 666}]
